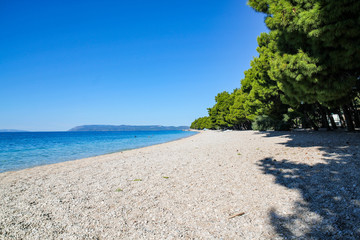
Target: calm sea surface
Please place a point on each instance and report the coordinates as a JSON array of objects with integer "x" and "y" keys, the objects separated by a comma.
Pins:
[{"x": 29, "y": 149}]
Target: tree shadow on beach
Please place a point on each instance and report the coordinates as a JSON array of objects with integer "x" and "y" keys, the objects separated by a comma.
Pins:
[{"x": 330, "y": 203}]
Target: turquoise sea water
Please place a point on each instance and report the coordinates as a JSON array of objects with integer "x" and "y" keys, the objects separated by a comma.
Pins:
[{"x": 29, "y": 149}]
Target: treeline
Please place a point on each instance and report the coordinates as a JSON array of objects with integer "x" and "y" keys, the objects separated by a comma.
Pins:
[{"x": 308, "y": 69}]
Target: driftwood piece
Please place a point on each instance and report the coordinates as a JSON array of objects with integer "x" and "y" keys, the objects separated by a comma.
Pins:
[{"x": 236, "y": 215}]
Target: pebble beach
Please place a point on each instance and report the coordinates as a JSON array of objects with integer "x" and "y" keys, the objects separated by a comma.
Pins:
[{"x": 213, "y": 185}]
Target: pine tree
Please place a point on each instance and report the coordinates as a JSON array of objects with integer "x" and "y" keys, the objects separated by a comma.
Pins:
[
  {"x": 219, "y": 113},
  {"x": 264, "y": 95},
  {"x": 318, "y": 46}
]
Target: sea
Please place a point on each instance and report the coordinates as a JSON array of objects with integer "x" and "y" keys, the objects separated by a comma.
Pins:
[{"x": 20, "y": 150}]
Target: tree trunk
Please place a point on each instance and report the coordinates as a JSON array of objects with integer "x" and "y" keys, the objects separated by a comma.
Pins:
[
  {"x": 333, "y": 124},
  {"x": 304, "y": 122},
  {"x": 342, "y": 121},
  {"x": 247, "y": 125},
  {"x": 356, "y": 115},
  {"x": 348, "y": 118},
  {"x": 324, "y": 120},
  {"x": 310, "y": 121}
]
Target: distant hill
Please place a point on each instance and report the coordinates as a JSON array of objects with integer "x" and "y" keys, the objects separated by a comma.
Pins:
[
  {"x": 125, "y": 128},
  {"x": 11, "y": 130}
]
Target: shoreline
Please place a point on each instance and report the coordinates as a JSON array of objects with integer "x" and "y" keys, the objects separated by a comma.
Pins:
[
  {"x": 77, "y": 159},
  {"x": 212, "y": 185}
]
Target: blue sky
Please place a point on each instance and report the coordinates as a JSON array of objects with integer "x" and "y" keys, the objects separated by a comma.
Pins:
[{"x": 69, "y": 63}]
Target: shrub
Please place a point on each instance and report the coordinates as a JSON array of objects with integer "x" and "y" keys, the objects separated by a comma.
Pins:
[{"x": 265, "y": 122}]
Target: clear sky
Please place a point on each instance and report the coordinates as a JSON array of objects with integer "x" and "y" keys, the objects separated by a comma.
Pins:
[{"x": 69, "y": 63}]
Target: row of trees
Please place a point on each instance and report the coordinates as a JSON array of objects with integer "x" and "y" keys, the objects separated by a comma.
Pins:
[{"x": 308, "y": 69}]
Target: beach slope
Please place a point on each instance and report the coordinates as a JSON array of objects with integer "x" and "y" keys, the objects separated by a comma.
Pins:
[{"x": 214, "y": 185}]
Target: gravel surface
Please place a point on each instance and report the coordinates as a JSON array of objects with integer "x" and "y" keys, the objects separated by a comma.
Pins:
[{"x": 214, "y": 185}]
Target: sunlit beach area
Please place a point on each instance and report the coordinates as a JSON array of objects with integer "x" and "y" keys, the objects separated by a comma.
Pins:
[{"x": 214, "y": 185}]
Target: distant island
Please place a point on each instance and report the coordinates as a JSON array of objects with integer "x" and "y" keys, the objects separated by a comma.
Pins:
[
  {"x": 103, "y": 128},
  {"x": 12, "y": 130}
]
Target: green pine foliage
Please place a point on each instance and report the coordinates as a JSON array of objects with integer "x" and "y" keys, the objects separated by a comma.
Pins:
[
  {"x": 219, "y": 113},
  {"x": 201, "y": 123},
  {"x": 238, "y": 116},
  {"x": 264, "y": 94},
  {"x": 318, "y": 45},
  {"x": 308, "y": 68}
]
